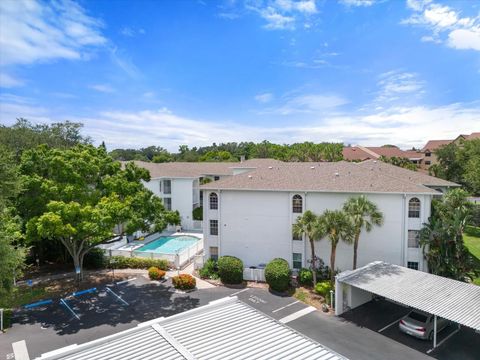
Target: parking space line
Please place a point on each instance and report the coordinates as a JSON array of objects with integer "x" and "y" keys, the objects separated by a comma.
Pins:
[
  {"x": 125, "y": 281},
  {"x": 284, "y": 307},
  {"x": 297, "y": 314},
  {"x": 63, "y": 302},
  {"x": 441, "y": 342},
  {"x": 117, "y": 296},
  {"x": 238, "y": 292},
  {"x": 392, "y": 323},
  {"x": 20, "y": 350}
]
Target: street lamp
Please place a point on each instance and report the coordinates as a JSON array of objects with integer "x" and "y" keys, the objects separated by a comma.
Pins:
[{"x": 113, "y": 262}]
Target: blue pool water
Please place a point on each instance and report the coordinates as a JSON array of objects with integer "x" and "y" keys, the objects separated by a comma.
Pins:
[{"x": 169, "y": 244}]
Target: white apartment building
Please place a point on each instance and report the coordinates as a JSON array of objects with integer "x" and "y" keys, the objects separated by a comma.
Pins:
[
  {"x": 178, "y": 183},
  {"x": 250, "y": 215}
]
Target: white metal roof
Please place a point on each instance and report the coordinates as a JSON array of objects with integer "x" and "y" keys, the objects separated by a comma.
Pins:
[
  {"x": 450, "y": 299},
  {"x": 224, "y": 329}
]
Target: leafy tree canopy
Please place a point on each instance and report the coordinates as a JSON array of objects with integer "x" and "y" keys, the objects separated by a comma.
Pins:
[{"x": 78, "y": 195}]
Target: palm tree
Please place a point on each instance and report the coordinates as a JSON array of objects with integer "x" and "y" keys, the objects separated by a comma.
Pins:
[
  {"x": 308, "y": 225},
  {"x": 364, "y": 214},
  {"x": 336, "y": 225}
]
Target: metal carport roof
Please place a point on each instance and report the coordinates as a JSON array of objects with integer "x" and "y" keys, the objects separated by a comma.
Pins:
[
  {"x": 450, "y": 299},
  {"x": 224, "y": 329}
]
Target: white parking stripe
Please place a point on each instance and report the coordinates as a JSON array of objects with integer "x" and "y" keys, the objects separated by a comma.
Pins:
[
  {"x": 297, "y": 314},
  {"x": 284, "y": 307},
  {"x": 238, "y": 292},
  {"x": 441, "y": 342},
  {"x": 125, "y": 281},
  {"x": 20, "y": 350},
  {"x": 392, "y": 323}
]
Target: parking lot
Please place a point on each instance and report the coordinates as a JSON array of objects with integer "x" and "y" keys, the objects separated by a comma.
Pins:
[
  {"x": 383, "y": 316},
  {"x": 101, "y": 313}
]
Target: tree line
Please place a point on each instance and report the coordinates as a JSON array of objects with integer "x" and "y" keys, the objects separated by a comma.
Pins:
[{"x": 232, "y": 151}]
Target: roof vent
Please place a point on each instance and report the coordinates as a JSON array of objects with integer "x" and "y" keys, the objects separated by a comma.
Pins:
[
  {"x": 337, "y": 174},
  {"x": 270, "y": 167},
  {"x": 374, "y": 161},
  {"x": 249, "y": 176},
  {"x": 312, "y": 167}
]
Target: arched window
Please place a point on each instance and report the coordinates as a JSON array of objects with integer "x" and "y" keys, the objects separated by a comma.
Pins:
[
  {"x": 297, "y": 204},
  {"x": 213, "y": 198},
  {"x": 414, "y": 208}
]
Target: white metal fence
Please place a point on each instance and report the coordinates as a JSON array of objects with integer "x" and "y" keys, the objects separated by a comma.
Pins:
[
  {"x": 254, "y": 274},
  {"x": 178, "y": 260}
]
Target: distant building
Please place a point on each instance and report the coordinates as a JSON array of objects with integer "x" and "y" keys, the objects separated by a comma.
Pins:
[{"x": 361, "y": 153}]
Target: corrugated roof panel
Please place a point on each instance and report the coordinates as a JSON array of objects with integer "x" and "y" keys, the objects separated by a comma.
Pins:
[
  {"x": 223, "y": 330},
  {"x": 450, "y": 299}
]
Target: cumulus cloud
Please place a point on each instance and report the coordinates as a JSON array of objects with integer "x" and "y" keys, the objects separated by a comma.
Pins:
[
  {"x": 445, "y": 24},
  {"x": 32, "y": 31},
  {"x": 9, "y": 81},
  {"x": 396, "y": 84},
  {"x": 364, "y": 3}
]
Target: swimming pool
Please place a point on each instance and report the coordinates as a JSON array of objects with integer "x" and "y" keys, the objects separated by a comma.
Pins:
[{"x": 169, "y": 244}]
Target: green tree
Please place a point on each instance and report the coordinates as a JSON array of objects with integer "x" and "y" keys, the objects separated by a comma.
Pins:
[
  {"x": 442, "y": 238},
  {"x": 364, "y": 215},
  {"x": 76, "y": 196},
  {"x": 308, "y": 225},
  {"x": 336, "y": 226}
]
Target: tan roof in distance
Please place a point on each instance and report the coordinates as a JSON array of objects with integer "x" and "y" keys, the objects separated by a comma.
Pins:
[
  {"x": 474, "y": 135},
  {"x": 354, "y": 153},
  {"x": 435, "y": 144}
]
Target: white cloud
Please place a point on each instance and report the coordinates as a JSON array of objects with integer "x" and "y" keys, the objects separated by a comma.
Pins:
[
  {"x": 306, "y": 104},
  {"x": 408, "y": 126},
  {"x": 358, "y": 2},
  {"x": 396, "y": 84},
  {"x": 9, "y": 81},
  {"x": 105, "y": 88},
  {"x": 465, "y": 39},
  {"x": 32, "y": 31},
  {"x": 264, "y": 98},
  {"x": 131, "y": 32},
  {"x": 283, "y": 14},
  {"x": 446, "y": 25}
]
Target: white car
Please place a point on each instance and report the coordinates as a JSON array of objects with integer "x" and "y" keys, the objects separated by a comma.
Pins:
[{"x": 420, "y": 324}]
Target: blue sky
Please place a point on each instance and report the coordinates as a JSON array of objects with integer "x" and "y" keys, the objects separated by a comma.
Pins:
[{"x": 166, "y": 73}]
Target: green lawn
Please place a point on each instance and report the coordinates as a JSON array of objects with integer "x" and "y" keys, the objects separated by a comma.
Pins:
[{"x": 472, "y": 242}]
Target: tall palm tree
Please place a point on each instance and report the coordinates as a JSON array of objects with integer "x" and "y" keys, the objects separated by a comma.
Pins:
[
  {"x": 308, "y": 225},
  {"x": 337, "y": 226},
  {"x": 364, "y": 215}
]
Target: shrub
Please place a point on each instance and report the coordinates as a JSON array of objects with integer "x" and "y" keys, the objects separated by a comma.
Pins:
[
  {"x": 197, "y": 213},
  {"x": 184, "y": 282},
  {"x": 95, "y": 259},
  {"x": 209, "y": 269},
  {"x": 155, "y": 273},
  {"x": 323, "y": 288},
  {"x": 230, "y": 269},
  {"x": 305, "y": 276},
  {"x": 277, "y": 274},
  {"x": 122, "y": 262}
]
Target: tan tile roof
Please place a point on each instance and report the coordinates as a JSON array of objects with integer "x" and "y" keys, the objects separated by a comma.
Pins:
[
  {"x": 435, "y": 144},
  {"x": 198, "y": 169},
  {"x": 339, "y": 176},
  {"x": 404, "y": 174},
  {"x": 474, "y": 135},
  {"x": 352, "y": 153}
]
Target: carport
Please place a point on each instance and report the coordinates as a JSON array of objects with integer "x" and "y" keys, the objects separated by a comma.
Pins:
[{"x": 450, "y": 299}]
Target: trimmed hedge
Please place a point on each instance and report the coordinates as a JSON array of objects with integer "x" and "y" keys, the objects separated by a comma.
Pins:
[
  {"x": 230, "y": 269},
  {"x": 122, "y": 262},
  {"x": 197, "y": 213},
  {"x": 305, "y": 277},
  {"x": 95, "y": 259},
  {"x": 277, "y": 274},
  {"x": 184, "y": 282},
  {"x": 323, "y": 288},
  {"x": 155, "y": 273}
]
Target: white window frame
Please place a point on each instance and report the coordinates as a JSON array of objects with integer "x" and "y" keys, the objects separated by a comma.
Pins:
[
  {"x": 413, "y": 242},
  {"x": 213, "y": 252},
  {"x": 414, "y": 208},
  {"x": 211, "y": 226},
  {"x": 213, "y": 205},
  {"x": 297, "y": 261},
  {"x": 165, "y": 187},
  {"x": 169, "y": 206},
  {"x": 296, "y": 207},
  {"x": 414, "y": 265}
]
